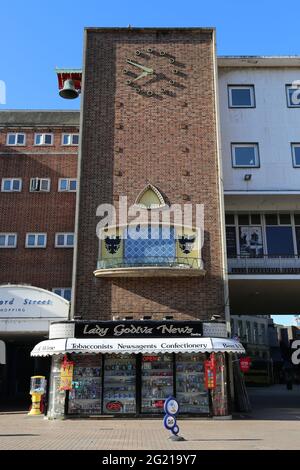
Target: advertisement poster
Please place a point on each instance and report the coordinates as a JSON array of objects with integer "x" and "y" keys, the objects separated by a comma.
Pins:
[{"x": 251, "y": 242}]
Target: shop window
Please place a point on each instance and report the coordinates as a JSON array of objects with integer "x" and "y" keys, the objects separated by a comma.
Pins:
[
  {"x": 190, "y": 384},
  {"x": 251, "y": 241},
  {"x": 85, "y": 396},
  {"x": 231, "y": 242},
  {"x": 157, "y": 382},
  {"x": 119, "y": 384},
  {"x": 280, "y": 241}
]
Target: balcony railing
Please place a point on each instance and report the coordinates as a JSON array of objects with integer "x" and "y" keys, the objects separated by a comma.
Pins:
[
  {"x": 265, "y": 264},
  {"x": 150, "y": 266}
]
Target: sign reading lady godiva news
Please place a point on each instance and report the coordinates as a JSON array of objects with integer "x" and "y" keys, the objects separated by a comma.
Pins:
[{"x": 139, "y": 329}]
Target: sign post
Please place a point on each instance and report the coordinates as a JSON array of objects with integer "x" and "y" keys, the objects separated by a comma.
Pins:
[{"x": 171, "y": 408}]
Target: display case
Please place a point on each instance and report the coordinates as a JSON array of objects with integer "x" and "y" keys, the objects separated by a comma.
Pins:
[
  {"x": 157, "y": 382},
  {"x": 190, "y": 391},
  {"x": 85, "y": 396},
  {"x": 119, "y": 384},
  {"x": 219, "y": 394}
]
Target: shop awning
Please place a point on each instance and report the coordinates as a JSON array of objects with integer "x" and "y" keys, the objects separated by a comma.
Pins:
[{"x": 136, "y": 346}]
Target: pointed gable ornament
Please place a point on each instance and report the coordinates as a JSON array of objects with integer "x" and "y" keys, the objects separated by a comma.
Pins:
[{"x": 150, "y": 198}]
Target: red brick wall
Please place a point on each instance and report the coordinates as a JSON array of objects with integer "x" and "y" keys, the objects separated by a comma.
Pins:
[
  {"x": 37, "y": 212},
  {"x": 148, "y": 148}
]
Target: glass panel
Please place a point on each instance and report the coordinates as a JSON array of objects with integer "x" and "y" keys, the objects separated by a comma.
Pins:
[
  {"x": 297, "y": 229},
  {"x": 285, "y": 219},
  {"x": 231, "y": 242},
  {"x": 85, "y": 397},
  {"x": 248, "y": 332},
  {"x": 48, "y": 138},
  {"x": 31, "y": 240},
  {"x": 67, "y": 294},
  {"x": 297, "y": 219},
  {"x": 38, "y": 139},
  {"x": 57, "y": 291},
  {"x": 66, "y": 139},
  {"x": 44, "y": 185},
  {"x": 119, "y": 384},
  {"x": 243, "y": 219},
  {"x": 7, "y": 185},
  {"x": 245, "y": 156},
  {"x": 2, "y": 240},
  {"x": 229, "y": 219},
  {"x": 70, "y": 240},
  {"x": 156, "y": 245},
  {"x": 63, "y": 185},
  {"x": 73, "y": 184},
  {"x": 280, "y": 241},
  {"x": 41, "y": 240},
  {"x": 75, "y": 139},
  {"x": 293, "y": 96},
  {"x": 190, "y": 392},
  {"x": 219, "y": 394},
  {"x": 255, "y": 219},
  {"x": 56, "y": 396},
  {"x": 11, "y": 240},
  {"x": 251, "y": 242},
  {"x": 16, "y": 185},
  {"x": 20, "y": 139},
  {"x": 60, "y": 240},
  {"x": 271, "y": 219},
  {"x": 296, "y": 155},
  {"x": 157, "y": 382},
  {"x": 11, "y": 139},
  {"x": 241, "y": 97}
]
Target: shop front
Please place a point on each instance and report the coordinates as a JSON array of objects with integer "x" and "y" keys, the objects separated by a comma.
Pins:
[{"x": 129, "y": 368}]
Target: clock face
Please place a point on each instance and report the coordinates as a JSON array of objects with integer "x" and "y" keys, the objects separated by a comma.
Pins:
[{"x": 155, "y": 73}]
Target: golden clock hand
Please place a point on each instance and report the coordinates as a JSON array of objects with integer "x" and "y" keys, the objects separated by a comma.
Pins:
[
  {"x": 146, "y": 69},
  {"x": 144, "y": 74}
]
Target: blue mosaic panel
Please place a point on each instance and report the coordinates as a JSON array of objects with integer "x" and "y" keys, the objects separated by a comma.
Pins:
[{"x": 150, "y": 242}]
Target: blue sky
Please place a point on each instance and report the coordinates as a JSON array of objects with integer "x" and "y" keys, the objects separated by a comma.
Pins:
[{"x": 37, "y": 35}]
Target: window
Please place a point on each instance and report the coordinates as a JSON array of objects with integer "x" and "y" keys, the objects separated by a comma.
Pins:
[
  {"x": 64, "y": 240},
  {"x": 245, "y": 155},
  {"x": 36, "y": 240},
  {"x": 70, "y": 139},
  {"x": 248, "y": 332},
  {"x": 262, "y": 335},
  {"x": 40, "y": 185},
  {"x": 241, "y": 96},
  {"x": 11, "y": 184},
  {"x": 16, "y": 139},
  {"x": 296, "y": 155},
  {"x": 43, "y": 139},
  {"x": 8, "y": 240},
  {"x": 67, "y": 184},
  {"x": 293, "y": 95},
  {"x": 64, "y": 292}
]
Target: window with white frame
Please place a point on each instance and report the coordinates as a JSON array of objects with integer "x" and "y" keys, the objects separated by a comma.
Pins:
[
  {"x": 11, "y": 185},
  {"x": 296, "y": 155},
  {"x": 39, "y": 185},
  {"x": 64, "y": 240},
  {"x": 70, "y": 139},
  {"x": 245, "y": 155},
  {"x": 43, "y": 139},
  {"x": 8, "y": 240},
  {"x": 36, "y": 240},
  {"x": 64, "y": 292},
  {"x": 15, "y": 138},
  {"x": 67, "y": 184},
  {"x": 293, "y": 95},
  {"x": 241, "y": 96}
]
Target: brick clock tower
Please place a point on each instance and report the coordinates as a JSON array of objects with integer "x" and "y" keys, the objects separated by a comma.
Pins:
[{"x": 149, "y": 133}]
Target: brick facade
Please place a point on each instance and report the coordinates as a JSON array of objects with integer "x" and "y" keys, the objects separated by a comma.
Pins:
[
  {"x": 25, "y": 211},
  {"x": 129, "y": 140}
]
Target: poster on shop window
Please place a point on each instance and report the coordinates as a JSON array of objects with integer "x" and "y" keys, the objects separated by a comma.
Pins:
[{"x": 251, "y": 242}]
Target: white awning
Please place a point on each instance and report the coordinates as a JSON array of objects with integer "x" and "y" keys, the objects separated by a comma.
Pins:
[{"x": 136, "y": 345}]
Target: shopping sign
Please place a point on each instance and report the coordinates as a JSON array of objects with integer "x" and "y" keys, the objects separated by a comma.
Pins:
[
  {"x": 210, "y": 373},
  {"x": 171, "y": 408},
  {"x": 66, "y": 374},
  {"x": 245, "y": 363}
]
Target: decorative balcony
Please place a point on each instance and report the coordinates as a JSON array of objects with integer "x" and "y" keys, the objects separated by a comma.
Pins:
[
  {"x": 150, "y": 266},
  {"x": 265, "y": 264}
]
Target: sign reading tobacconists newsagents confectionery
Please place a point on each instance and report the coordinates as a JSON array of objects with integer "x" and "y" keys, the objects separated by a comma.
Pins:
[{"x": 139, "y": 329}]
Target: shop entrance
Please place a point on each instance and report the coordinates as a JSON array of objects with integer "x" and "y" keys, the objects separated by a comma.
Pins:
[{"x": 136, "y": 384}]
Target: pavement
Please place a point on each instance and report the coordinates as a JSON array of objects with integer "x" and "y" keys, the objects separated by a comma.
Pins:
[{"x": 274, "y": 424}]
